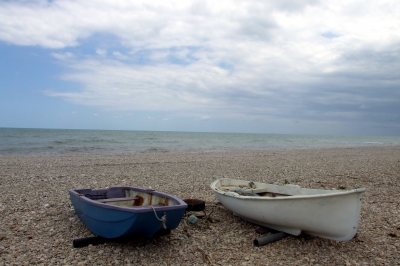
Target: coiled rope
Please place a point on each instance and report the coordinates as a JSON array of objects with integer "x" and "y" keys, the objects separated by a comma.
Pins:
[{"x": 163, "y": 218}]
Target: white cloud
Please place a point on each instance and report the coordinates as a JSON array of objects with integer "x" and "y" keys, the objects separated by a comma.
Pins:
[
  {"x": 166, "y": 24},
  {"x": 283, "y": 59},
  {"x": 63, "y": 56},
  {"x": 120, "y": 56},
  {"x": 102, "y": 52}
]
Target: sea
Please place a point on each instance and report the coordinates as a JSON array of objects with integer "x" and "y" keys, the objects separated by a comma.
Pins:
[{"x": 27, "y": 141}]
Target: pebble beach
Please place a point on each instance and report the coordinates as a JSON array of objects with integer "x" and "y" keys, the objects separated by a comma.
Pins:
[{"x": 38, "y": 223}]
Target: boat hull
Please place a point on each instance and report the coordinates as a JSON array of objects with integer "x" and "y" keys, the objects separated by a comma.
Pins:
[
  {"x": 112, "y": 221},
  {"x": 323, "y": 213}
]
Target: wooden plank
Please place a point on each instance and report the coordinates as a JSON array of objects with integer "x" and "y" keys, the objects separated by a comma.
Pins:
[
  {"x": 264, "y": 190},
  {"x": 118, "y": 199}
]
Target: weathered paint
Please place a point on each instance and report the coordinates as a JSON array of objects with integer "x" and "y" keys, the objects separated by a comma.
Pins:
[
  {"x": 113, "y": 219},
  {"x": 139, "y": 202},
  {"x": 331, "y": 214}
]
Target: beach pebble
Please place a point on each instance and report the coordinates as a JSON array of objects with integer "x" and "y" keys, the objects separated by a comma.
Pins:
[
  {"x": 192, "y": 219},
  {"x": 38, "y": 222}
]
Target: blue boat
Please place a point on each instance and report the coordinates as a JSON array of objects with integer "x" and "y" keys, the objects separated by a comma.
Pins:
[{"x": 123, "y": 211}]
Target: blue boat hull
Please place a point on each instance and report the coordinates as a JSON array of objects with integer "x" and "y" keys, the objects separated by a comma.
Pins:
[{"x": 111, "y": 221}]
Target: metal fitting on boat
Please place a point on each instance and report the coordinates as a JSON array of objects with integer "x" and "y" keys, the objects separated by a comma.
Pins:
[{"x": 262, "y": 241}]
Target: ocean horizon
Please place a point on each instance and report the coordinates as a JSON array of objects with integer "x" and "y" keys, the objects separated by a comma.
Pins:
[{"x": 37, "y": 141}]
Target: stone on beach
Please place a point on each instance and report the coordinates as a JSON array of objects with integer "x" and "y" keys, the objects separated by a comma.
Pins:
[{"x": 39, "y": 223}]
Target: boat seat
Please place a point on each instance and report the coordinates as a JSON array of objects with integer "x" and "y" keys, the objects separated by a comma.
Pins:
[
  {"x": 117, "y": 199},
  {"x": 154, "y": 205}
]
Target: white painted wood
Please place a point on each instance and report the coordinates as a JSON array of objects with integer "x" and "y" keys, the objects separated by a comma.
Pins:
[{"x": 331, "y": 214}]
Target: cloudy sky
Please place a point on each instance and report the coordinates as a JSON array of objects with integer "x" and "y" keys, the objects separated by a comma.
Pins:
[{"x": 279, "y": 66}]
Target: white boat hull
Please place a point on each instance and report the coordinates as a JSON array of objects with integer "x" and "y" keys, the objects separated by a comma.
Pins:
[{"x": 331, "y": 214}]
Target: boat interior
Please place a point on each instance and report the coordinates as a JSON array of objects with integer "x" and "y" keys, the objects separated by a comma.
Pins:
[
  {"x": 257, "y": 189},
  {"x": 127, "y": 197},
  {"x": 245, "y": 191}
]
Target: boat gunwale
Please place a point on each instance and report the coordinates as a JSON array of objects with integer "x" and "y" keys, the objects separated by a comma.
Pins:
[{"x": 289, "y": 197}]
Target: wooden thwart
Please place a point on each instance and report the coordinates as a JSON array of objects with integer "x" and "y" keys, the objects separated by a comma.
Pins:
[
  {"x": 117, "y": 199},
  {"x": 264, "y": 190}
]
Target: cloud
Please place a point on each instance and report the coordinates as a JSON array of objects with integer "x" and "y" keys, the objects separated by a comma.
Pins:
[
  {"x": 101, "y": 52},
  {"x": 120, "y": 56},
  {"x": 154, "y": 24},
  {"x": 63, "y": 56},
  {"x": 311, "y": 60}
]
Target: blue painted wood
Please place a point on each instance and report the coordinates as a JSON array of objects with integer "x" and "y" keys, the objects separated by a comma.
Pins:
[{"x": 111, "y": 221}]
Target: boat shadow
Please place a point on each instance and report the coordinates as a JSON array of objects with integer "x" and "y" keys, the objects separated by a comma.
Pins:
[{"x": 98, "y": 240}]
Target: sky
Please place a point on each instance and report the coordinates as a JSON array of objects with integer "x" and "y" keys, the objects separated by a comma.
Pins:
[{"x": 283, "y": 67}]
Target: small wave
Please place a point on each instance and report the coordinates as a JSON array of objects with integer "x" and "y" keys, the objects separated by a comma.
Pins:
[{"x": 154, "y": 149}]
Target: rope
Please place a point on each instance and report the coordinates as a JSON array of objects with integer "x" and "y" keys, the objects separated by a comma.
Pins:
[{"x": 163, "y": 218}]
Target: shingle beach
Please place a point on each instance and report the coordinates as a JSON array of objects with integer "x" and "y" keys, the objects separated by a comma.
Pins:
[{"x": 38, "y": 222}]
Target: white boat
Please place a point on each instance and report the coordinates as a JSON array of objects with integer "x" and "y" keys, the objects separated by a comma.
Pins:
[{"x": 331, "y": 214}]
